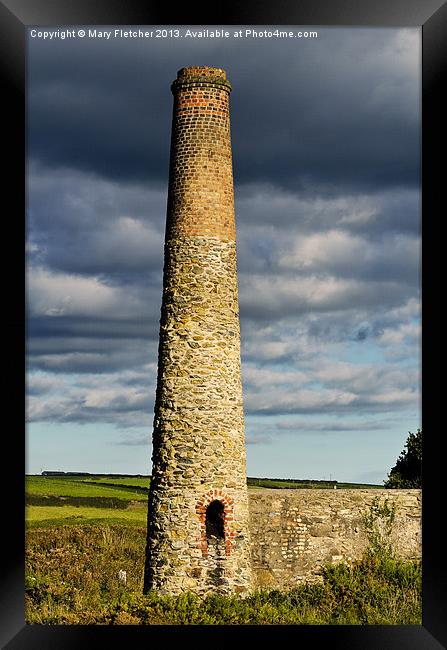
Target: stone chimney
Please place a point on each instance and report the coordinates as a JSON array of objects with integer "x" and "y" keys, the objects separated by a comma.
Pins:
[{"x": 198, "y": 520}]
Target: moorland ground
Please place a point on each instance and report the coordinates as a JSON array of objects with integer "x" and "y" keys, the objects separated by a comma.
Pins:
[{"x": 83, "y": 530}]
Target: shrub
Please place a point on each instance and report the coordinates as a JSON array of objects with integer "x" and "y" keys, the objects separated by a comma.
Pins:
[
  {"x": 378, "y": 522},
  {"x": 407, "y": 472}
]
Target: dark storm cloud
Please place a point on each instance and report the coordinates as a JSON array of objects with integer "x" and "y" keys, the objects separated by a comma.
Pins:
[
  {"x": 339, "y": 114},
  {"x": 96, "y": 110},
  {"x": 82, "y": 223},
  {"x": 272, "y": 297},
  {"x": 395, "y": 211},
  {"x": 325, "y": 147},
  {"x": 80, "y": 323},
  {"x": 92, "y": 328},
  {"x": 71, "y": 354}
]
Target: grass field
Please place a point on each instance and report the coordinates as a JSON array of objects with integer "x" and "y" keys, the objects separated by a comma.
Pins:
[
  {"x": 93, "y": 499},
  {"x": 98, "y": 499},
  {"x": 54, "y": 501},
  {"x": 48, "y": 516},
  {"x": 90, "y": 487}
]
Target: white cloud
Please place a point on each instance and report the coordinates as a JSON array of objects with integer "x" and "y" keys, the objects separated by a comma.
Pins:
[
  {"x": 319, "y": 384},
  {"x": 60, "y": 294},
  {"x": 291, "y": 401},
  {"x": 263, "y": 296},
  {"x": 124, "y": 398},
  {"x": 118, "y": 398},
  {"x": 38, "y": 384},
  {"x": 258, "y": 378},
  {"x": 408, "y": 333},
  {"x": 336, "y": 251}
]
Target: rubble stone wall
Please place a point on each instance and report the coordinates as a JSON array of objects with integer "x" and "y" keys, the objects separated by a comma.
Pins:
[{"x": 294, "y": 532}]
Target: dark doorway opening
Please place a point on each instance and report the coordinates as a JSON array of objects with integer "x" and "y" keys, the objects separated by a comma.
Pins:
[{"x": 214, "y": 520}]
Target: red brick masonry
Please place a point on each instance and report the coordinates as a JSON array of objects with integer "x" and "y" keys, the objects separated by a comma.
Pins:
[
  {"x": 202, "y": 505},
  {"x": 201, "y": 195}
]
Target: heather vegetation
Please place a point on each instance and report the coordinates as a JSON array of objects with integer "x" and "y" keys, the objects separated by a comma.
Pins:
[{"x": 73, "y": 577}]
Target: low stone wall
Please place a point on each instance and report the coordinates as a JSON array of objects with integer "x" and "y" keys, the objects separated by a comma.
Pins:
[{"x": 295, "y": 532}]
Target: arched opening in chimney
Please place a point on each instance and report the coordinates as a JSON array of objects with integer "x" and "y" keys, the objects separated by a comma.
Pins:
[{"x": 214, "y": 521}]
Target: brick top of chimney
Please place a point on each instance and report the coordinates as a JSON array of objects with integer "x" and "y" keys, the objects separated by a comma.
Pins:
[{"x": 201, "y": 75}]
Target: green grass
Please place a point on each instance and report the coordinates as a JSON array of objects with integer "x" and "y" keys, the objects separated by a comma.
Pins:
[
  {"x": 74, "y": 499},
  {"x": 72, "y": 578},
  {"x": 64, "y": 487},
  {"x": 55, "y": 501},
  {"x": 142, "y": 482},
  {"x": 133, "y": 482},
  {"x": 50, "y": 516}
]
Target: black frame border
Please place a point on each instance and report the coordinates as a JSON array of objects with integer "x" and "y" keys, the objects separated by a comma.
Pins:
[{"x": 431, "y": 16}]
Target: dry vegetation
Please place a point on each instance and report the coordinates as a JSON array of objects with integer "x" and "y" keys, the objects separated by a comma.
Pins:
[{"x": 72, "y": 578}]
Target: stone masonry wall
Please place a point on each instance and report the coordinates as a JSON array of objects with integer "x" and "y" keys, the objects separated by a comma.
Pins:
[
  {"x": 294, "y": 532},
  {"x": 198, "y": 436}
]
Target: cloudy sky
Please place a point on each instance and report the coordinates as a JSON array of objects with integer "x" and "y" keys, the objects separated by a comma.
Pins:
[{"x": 326, "y": 147}]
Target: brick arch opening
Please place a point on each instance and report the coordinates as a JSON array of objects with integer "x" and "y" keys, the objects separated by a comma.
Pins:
[
  {"x": 215, "y": 510},
  {"x": 214, "y": 520}
]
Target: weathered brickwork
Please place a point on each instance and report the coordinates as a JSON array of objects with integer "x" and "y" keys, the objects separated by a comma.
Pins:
[
  {"x": 295, "y": 532},
  {"x": 199, "y": 464},
  {"x": 201, "y": 199}
]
